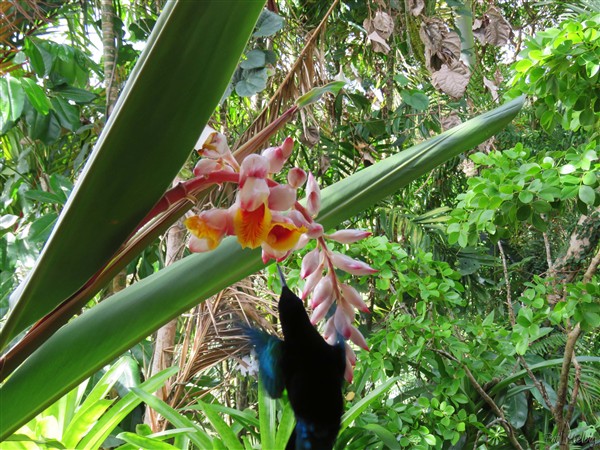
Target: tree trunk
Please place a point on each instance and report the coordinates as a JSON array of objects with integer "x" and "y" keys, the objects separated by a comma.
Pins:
[
  {"x": 109, "y": 53},
  {"x": 162, "y": 356}
]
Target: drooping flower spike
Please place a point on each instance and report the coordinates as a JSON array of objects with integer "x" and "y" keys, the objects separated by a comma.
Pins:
[{"x": 266, "y": 214}]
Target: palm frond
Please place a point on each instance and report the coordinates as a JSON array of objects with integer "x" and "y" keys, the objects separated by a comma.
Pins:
[
  {"x": 301, "y": 78},
  {"x": 214, "y": 334}
]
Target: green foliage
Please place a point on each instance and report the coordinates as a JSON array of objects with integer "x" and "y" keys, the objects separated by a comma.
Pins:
[
  {"x": 560, "y": 68},
  {"x": 520, "y": 186},
  {"x": 85, "y": 417}
]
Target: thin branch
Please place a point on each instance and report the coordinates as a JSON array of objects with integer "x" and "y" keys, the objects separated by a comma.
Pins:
[
  {"x": 561, "y": 394},
  {"x": 592, "y": 268},
  {"x": 576, "y": 384},
  {"x": 548, "y": 254},
  {"x": 539, "y": 386},
  {"x": 511, "y": 312},
  {"x": 495, "y": 408}
]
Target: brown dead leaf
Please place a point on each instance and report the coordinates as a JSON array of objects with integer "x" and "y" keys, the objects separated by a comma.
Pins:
[
  {"x": 416, "y": 7},
  {"x": 442, "y": 45},
  {"x": 450, "y": 121},
  {"x": 492, "y": 28},
  {"x": 492, "y": 88},
  {"x": 452, "y": 79},
  {"x": 310, "y": 136},
  {"x": 380, "y": 29}
]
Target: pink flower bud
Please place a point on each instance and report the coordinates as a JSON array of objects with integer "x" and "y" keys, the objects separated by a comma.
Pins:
[
  {"x": 282, "y": 197},
  {"x": 357, "y": 337},
  {"x": 315, "y": 230},
  {"x": 269, "y": 253},
  {"x": 348, "y": 372},
  {"x": 311, "y": 282},
  {"x": 253, "y": 194},
  {"x": 310, "y": 262},
  {"x": 329, "y": 333},
  {"x": 253, "y": 166},
  {"x": 353, "y": 297},
  {"x": 275, "y": 157},
  {"x": 206, "y": 166},
  {"x": 323, "y": 292},
  {"x": 304, "y": 239},
  {"x": 342, "y": 323},
  {"x": 350, "y": 265},
  {"x": 287, "y": 147},
  {"x": 313, "y": 196},
  {"x": 298, "y": 219},
  {"x": 296, "y": 177},
  {"x": 215, "y": 146},
  {"x": 199, "y": 245},
  {"x": 348, "y": 236},
  {"x": 350, "y": 354},
  {"x": 319, "y": 312},
  {"x": 331, "y": 340}
]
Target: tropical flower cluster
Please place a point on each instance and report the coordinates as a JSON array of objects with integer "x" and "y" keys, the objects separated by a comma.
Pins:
[{"x": 267, "y": 214}]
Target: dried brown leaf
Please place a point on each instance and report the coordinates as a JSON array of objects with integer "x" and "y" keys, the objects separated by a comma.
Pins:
[
  {"x": 416, "y": 7},
  {"x": 492, "y": 28},
  {"x": 453, "y": 79},
  {"x": 442, "y": 45},
  {"x": 450, "y": 121},
  {"x": 379, "y": 30}
]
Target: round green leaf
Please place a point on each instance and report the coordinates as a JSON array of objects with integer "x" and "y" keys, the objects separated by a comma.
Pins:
[
  {"x": 255, "y": 59},
  {"x": 524, "y": 212},
  {"x": 525, "y": 196},
  {"x": 587, "y": 195}
]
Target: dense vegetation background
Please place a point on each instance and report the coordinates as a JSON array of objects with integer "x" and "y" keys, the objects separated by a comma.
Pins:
[{"x": 485, "y": 312}]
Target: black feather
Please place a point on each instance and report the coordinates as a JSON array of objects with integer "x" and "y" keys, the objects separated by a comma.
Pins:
[{"x": 312, "y": 372}]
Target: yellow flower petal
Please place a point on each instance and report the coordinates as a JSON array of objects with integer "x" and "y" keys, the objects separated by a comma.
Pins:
[
  {"x": 210, "y": 236},
  {"x": 283, "y": 236},
  {"x": 252, "y": 227}
]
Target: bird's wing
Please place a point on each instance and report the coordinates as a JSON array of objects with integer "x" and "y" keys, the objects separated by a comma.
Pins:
[{"x": 269, "y": 349}]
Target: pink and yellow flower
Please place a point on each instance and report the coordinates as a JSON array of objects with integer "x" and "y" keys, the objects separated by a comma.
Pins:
[
  {"x": 208, "y": 229},
  {"x": 252, "y": 227}
]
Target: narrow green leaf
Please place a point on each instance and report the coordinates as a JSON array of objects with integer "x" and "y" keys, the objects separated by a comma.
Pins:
[
  {"x": 246, "y": 418},
  {"x": 286, "y": 426},
  {"x": 384, "y": 435},
  {"x": 117, "y": 413},
  {"x": 41, "y": 228},
  {"x": 267, "y": 411},
  {"x": 115, "y": 190},
  {"x": 315, "y": 94},
  {"x": 44, "y": 197},
  {"x": 145, "y": 442},
  {"x": 223, "y": 430},
  {"x": 94, "y": 405},
  {"x": 199, "y": 437},
  {"x": 357, "y": 408}
]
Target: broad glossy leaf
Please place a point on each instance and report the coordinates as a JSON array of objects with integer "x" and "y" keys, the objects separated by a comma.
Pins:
[
  {"x": 36, "y": 95},
  {"x": 168, "y": 99},
  {"x": 120, "y": 321},
  {"x": 12, "y": 99}
]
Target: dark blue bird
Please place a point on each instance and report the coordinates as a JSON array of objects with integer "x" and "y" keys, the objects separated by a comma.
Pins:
[{"x": 309, "y": 368}]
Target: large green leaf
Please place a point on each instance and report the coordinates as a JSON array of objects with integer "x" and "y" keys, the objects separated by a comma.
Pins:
[
  {"x": 100, "y": 334},
  {"x": 175, "y": 86}
]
